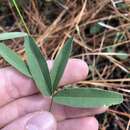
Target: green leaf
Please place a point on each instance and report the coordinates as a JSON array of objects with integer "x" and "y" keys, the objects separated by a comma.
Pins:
[
  {"x": 110, "y": 49},
  {"x": 38, "y": 66},
  {"x": 95, "y": 29},
  {"x": 87, "y": 97},
  {"x": 122, "y": 5},
  {"x": 60, "y": 63},
  {"x": 122, "y": 55},
  {"x": 14, "y": 59},
  {"x": 120, "y": 36},
  {"x": 11, "y": 35}
]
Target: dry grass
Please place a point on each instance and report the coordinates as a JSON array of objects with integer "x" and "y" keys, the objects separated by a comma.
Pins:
[{"x": 75, "y": 18}]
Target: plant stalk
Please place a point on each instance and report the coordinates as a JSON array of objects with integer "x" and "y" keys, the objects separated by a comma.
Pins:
[
  {"x": 21, "y": 17},
  {"x": 51, "y": 104}
]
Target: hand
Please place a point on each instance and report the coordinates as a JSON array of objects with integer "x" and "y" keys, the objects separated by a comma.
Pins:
[{"x": 23, "y": 108}]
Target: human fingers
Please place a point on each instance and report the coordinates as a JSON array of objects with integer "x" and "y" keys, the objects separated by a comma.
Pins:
[
  {"x": 34, "y": 121},
  {"x": 86, "y": 123},
  {"x": 26, "y": 105},
  {"x": 14, "y": 85},
  {"x": 45, "y": 121}
]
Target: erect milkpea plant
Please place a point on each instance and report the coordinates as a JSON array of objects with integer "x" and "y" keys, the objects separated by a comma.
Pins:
[{"x": 35, "y": 67}]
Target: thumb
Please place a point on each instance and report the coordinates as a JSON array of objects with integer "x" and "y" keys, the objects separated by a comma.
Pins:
[{"x": 41, "y": 121}]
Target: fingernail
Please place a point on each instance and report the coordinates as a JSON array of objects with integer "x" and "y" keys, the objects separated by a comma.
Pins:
[{"x": 41, "y": 121}]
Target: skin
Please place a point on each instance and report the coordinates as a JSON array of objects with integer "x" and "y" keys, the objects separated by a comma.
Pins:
[
  {"x": 23, "y": 108},
  {"x": 127, "y": 1}
]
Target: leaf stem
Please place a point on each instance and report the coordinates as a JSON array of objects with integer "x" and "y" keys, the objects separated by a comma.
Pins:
[{"x": 51, "y": 104}]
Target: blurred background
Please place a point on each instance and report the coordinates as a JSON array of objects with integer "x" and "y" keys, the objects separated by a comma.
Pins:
[{"x": 101, "y": 31}]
